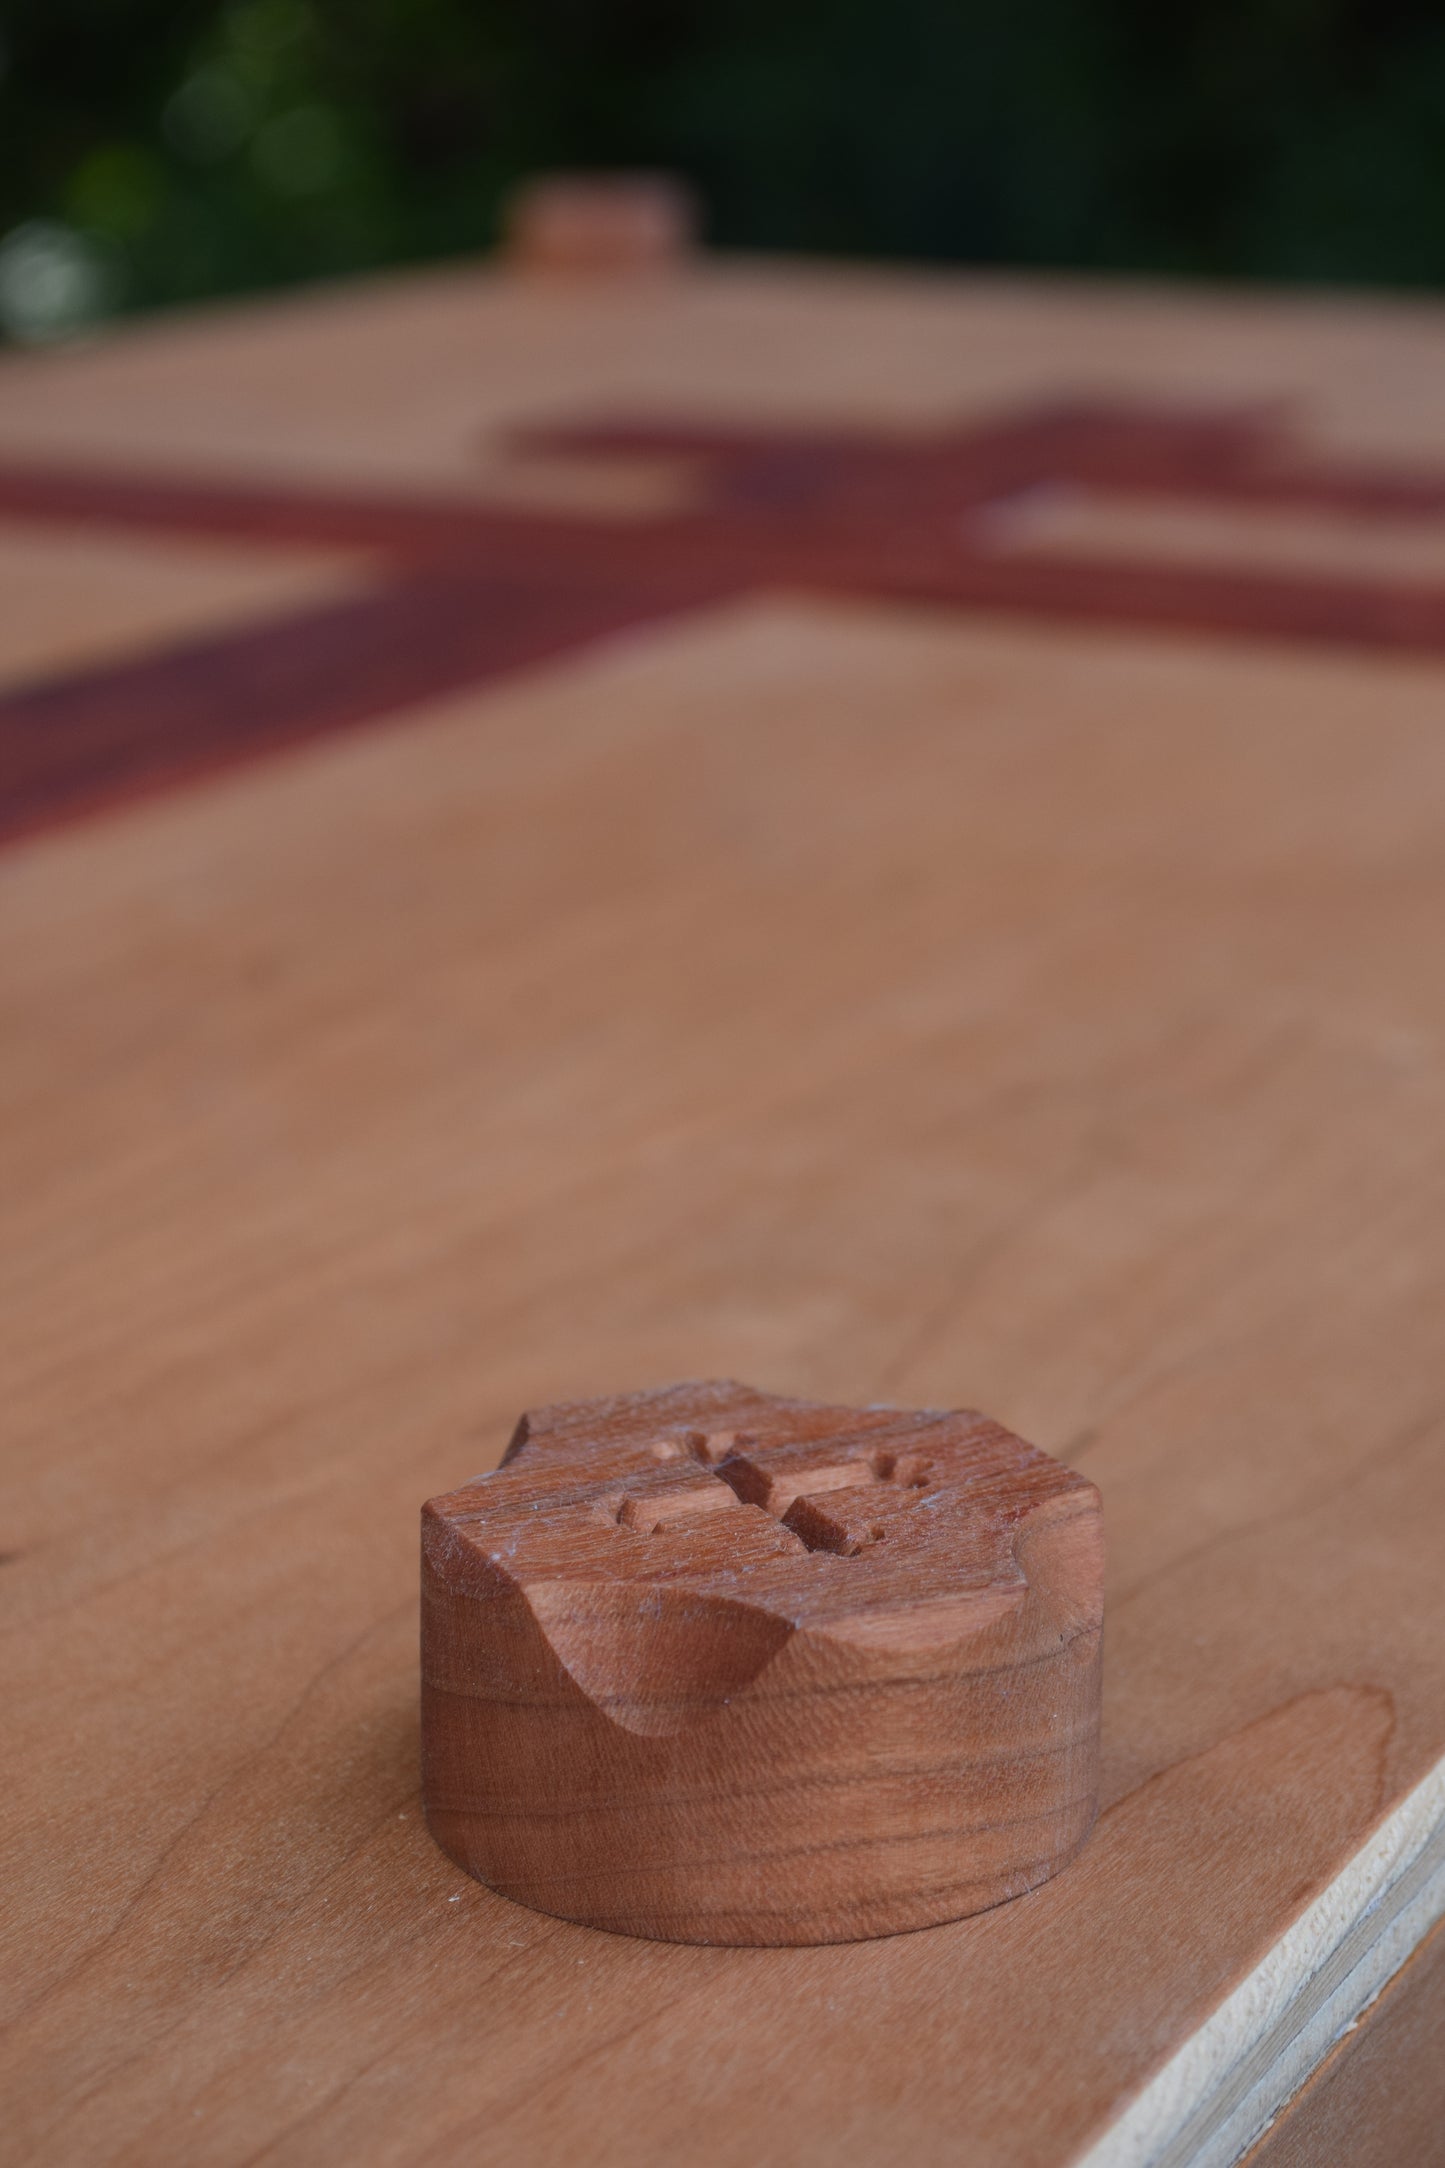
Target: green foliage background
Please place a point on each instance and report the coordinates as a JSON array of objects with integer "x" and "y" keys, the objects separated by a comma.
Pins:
[{"x": 197, "y": 149}]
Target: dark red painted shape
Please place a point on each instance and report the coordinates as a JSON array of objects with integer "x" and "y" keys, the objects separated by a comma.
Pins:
[
  {"x": 461, "y": 594},
  {"x": 84, "y": 741}
]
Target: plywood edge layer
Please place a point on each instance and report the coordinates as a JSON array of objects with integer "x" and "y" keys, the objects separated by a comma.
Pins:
[{"x": 1229, "y": 2081}]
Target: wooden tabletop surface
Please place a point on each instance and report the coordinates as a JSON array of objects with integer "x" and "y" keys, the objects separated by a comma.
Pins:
[{"x": 878, "y": 834}]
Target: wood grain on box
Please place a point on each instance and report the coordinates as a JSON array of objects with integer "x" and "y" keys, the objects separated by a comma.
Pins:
[{"x": 873, "y": 1001}]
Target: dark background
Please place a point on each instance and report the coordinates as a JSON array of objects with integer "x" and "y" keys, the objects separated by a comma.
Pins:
[{"x": 159, "y": 150}]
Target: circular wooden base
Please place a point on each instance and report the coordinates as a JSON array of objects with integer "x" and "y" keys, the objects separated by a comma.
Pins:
[{"x": 710, "y": 1666}]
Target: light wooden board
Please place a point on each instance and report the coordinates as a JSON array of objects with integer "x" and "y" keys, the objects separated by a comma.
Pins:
[{"x": 868, "y": 1000}]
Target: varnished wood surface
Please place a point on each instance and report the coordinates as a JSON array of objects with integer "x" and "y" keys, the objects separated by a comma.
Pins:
[{"x": 869, "y": 1000}]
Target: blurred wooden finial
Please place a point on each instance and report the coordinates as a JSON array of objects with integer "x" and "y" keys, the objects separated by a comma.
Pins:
[{"x": 604, "y": 222}]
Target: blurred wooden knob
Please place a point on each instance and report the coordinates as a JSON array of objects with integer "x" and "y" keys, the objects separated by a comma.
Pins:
[
  {"x": 599, "y": 222},
  {"x": 711, "y": 1666}
]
